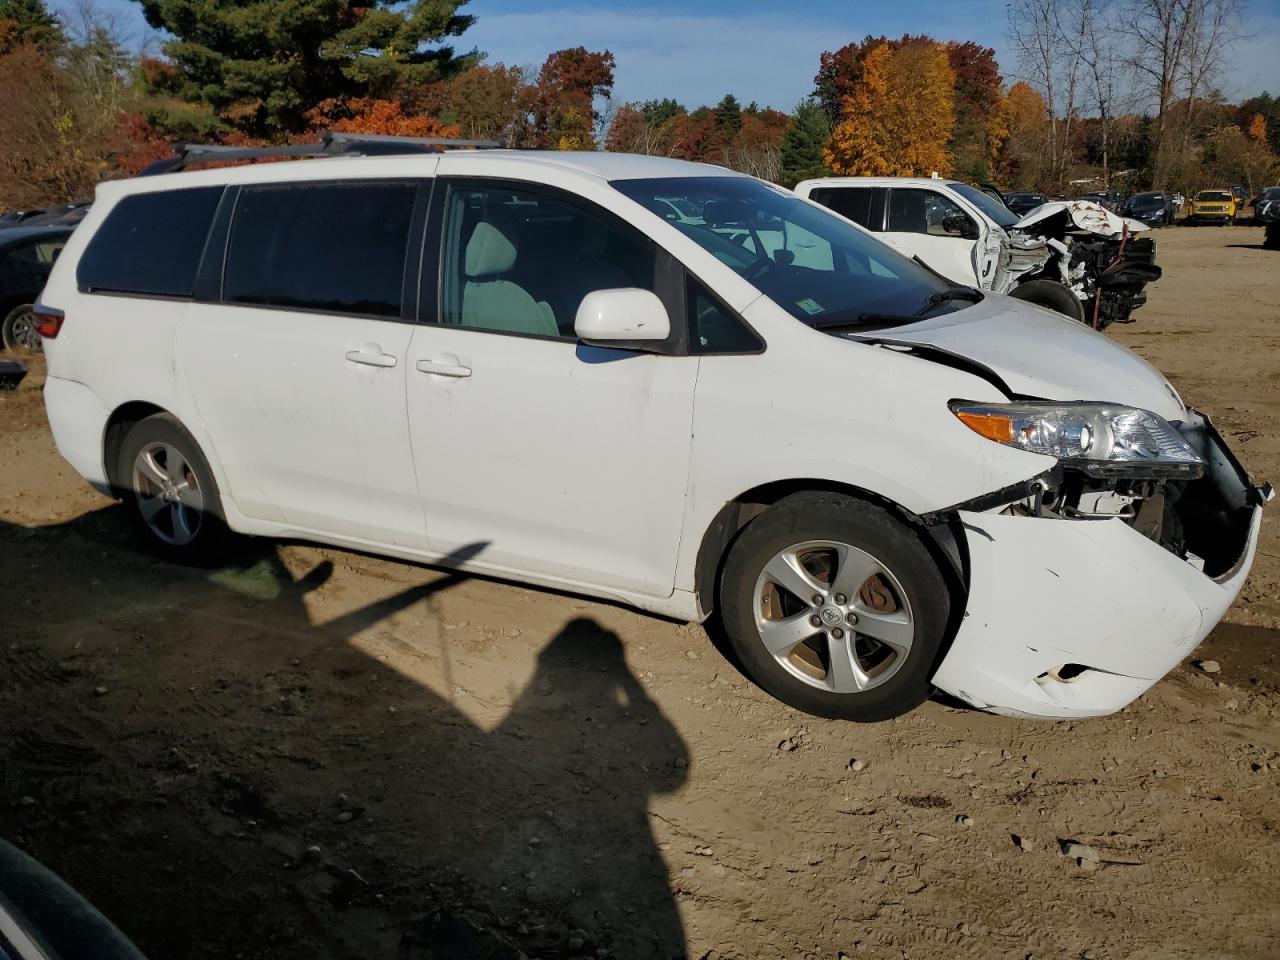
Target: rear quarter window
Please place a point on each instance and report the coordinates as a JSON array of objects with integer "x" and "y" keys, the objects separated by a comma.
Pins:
[{"x": 150, "y": 244}]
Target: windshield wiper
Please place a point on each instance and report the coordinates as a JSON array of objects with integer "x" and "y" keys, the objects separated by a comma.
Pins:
[
  {"x": 869, "y": 320},
  {"x": 946, "y": 296}
]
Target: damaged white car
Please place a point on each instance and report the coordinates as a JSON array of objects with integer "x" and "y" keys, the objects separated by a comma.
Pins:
[
  {"x": 1074, "y": 257},
  {"x": 660, "y": 383}
]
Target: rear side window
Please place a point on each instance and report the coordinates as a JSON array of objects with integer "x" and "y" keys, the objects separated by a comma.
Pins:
[
  {"x": 852, "y": 203},
  {"x": 334, "y": 247},
  {"x": 150, "y": 244}
]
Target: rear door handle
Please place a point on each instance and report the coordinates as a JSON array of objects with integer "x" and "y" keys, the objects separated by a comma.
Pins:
[
  {"x": 371, "y": 356},
  {"x": 445, "y": 367}
]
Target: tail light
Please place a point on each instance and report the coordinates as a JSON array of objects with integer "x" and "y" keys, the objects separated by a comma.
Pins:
[{"x": 47, "y": 320}]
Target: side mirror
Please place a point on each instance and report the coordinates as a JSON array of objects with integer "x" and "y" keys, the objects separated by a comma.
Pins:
[
  {"x": 958, "y": 225},
  {"x": 622, "y": 317}
]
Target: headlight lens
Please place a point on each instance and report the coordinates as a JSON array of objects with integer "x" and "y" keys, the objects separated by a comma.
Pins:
[{"x": 1102, "y": 439}]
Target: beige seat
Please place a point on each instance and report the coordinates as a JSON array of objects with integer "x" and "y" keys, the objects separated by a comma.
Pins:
[{"x": 491, "y": 303}]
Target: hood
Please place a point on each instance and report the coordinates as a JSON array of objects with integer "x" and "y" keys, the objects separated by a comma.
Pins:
[
  {"x": 1085, "y": 215},
  {"x": 1042, "y": 355}
]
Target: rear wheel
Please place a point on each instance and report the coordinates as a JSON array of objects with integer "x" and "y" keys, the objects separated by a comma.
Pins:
[
  {"x": 170, "y": 491},
  {"x": 1050, "y": 294},
  {"x": 18, "y": 330},
  {"x": 835, "y": 607}
]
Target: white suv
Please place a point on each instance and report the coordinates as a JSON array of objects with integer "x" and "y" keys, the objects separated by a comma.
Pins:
[
  {"x": 657, "y": 382},
  {"x": 1072, "y": 256}
]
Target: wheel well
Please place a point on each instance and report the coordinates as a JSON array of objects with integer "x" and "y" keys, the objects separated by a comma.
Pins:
[
  {"x": 118, "y": 425},
  {"x": 940, "y": 538}
]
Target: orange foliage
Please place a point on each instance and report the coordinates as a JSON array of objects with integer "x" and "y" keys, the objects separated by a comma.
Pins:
[
  {"x": 899, "y": 118},
  {"x": 1257, "y": 129},
  {"x": 379, "y": 117}
]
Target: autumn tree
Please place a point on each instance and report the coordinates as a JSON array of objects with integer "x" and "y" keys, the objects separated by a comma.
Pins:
[
  {"x": 978, "y": 129},
  {"x": 262, "y": 65},
  {"x": 374, "y": 116},
  {"x": 801, "y": 151},
  {"x": 568, "y": 85},
  {"x": 1023, "y": 161},
  {"x": 756, "y": 147},
  {"x": 490, "y": 103},
  {"x": 899, "y": 118}
]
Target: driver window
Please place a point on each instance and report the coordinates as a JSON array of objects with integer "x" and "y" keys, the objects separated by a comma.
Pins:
[
  {"x": 926, "y": 212},
  {"x": 520, "y": 261}
]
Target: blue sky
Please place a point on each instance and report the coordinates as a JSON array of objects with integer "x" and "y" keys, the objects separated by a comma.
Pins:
[{"x": 758, "y": 49}]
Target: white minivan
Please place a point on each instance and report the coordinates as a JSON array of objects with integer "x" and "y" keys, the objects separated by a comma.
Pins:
[{"x": 657, "y": 382}]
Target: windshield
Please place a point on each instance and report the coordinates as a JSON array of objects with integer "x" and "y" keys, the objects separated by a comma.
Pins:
[
  {"x": 1147, "y": 200},
  {"x": 992, "y": 207},
  {"x": 1214, "y": 196},
  {"x": 815, "y": 265}
]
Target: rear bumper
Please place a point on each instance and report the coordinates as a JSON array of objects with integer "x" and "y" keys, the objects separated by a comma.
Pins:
[
  {"x": 78, "y": 420},
  {"x": 1095, "y": 597}
]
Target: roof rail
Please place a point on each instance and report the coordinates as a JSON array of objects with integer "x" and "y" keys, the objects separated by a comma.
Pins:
[{"x": 332, "y": 144}]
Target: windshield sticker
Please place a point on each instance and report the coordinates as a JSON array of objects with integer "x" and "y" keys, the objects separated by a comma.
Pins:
[{"x": 810, "y": 306}]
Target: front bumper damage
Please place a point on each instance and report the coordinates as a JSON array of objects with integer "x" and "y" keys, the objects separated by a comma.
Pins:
[{"x": 1079, "y": 617}]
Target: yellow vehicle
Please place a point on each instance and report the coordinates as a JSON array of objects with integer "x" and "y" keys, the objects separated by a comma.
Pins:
[{"x": 1214, "y": 206}]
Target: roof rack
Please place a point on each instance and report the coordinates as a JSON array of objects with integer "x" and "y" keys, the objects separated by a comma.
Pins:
[{"x": 332, "y": 144}]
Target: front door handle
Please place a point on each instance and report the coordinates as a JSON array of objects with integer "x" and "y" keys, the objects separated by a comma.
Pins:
[
  {"x": 444, "y": 367},
  {"x": 371, "y": 356}
]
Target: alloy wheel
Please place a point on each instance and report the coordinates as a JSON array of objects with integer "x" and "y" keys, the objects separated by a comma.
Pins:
[
  {"x": 833, "y": 616},
  {"x": 168, "y": 493}
]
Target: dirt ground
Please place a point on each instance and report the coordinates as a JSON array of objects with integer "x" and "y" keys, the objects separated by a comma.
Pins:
[{"x": 316, "y": 754}]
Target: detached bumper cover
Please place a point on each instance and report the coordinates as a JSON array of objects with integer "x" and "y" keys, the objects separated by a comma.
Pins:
[{"x": 1078, "y": 618}]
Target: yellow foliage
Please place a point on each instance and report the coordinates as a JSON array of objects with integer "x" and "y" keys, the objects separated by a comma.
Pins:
[
  {"x": 899, "y": 118},
  {"x": 1257, "y": 127}
]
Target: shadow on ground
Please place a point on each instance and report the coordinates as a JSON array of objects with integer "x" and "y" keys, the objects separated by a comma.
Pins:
[{"x": 224, "y": 777}]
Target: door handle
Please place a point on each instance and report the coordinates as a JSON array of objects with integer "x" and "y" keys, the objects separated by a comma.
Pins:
[
  {"x": 371, "y": 356},
  {"x": 445, "y": 367}
]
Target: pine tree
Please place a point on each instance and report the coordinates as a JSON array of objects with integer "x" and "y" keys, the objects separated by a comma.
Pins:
[
  {"x": 729, "y": 115},
  {"x": 262, "y": 65},
  {"x": 29, "y": 21},
  {"x": 803, "y": 143}
]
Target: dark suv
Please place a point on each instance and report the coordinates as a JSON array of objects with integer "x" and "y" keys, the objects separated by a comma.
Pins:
[
  {"x": 1152, "y": 208},
  {"x": 1266, "y": 210}
]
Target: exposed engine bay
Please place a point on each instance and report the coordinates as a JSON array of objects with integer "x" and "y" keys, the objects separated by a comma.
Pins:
[
  {"x": 1203, "y": 520},
  {"x": 1091, "y": 251}
]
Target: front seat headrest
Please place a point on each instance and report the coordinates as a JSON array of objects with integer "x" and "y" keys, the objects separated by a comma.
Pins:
[{"x": 489, "y": 252}]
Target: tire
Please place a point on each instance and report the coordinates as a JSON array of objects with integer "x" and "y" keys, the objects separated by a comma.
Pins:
[
  {"x": 17, "y": 332},
  {"x": 1271, "y": 239},
  {"x": 901, "y": 595},
  {"x": 1052, "y": 295},
  {"x": 170, "y": 492}
]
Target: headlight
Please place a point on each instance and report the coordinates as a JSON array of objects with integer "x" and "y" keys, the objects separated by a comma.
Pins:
[{"x": 1102, "y": 439}]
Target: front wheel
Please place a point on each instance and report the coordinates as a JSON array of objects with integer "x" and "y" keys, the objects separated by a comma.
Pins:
[
  {"x": 170, "y": 491},
  {"x": 835, "y": 607},
  {"x": 1050, "y": 294},
  {"x": 18, "y": 330}
]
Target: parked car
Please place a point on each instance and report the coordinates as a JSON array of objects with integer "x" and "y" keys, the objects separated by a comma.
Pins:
[
  {"x": 1266, "y": 211},
  {"x": 1213, "y": 206},
  {"x": 1107, "y": 199},
  {"x": 1072, "y": 257},
  {"x": 1153, "y": 208},
  {"x": 67, "y": 215},
  {"x": 1241, "y": 196},
  {"x": 42, "y": 918},
  {"x": 1023, "y": 203},
  {"x": 27, "y": 254},
  {"x": 545, "y": 367},
  {"x": 13, "y": 218}
]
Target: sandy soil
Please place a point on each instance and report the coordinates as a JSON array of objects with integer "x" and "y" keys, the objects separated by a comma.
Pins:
[{"x": 320, "y": 754}]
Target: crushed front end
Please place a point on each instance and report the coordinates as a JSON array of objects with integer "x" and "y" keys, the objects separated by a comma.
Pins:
[
  {"x": 1088, "y": 588},
  {"x": 1101, "y": 259}
]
